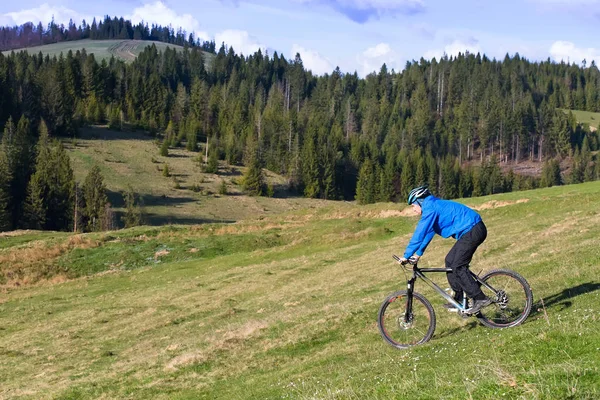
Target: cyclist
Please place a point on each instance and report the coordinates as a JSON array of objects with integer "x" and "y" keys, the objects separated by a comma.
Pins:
[{"x": 449, "y": 218}]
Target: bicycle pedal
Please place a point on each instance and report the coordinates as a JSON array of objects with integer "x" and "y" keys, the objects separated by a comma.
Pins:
[{"x": 452, "y": 309}]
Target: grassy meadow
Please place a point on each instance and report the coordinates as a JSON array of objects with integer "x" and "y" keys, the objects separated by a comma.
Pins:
[
  {"x": 285, "y": 307},
  {"x": 188, "y": 196},
  {"x": 126, "y": 50}
]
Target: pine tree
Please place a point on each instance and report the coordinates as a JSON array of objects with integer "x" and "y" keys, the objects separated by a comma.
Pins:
[
  {"x": 310, "y": 168},
  {"x": 577, "y": 168},
  {"x": 5, "y": 178},
  {"x": 164, "y": 148},
  {"x": 551, "y": 174},
  {"x": 254, "y": 180},
  {"x": 16, "y": 144},
  {"x": 365, "y": 188},
  {"x": 133, "y": 212},
  {"x": 62, "y": 190},
  {"x": 94, "y": 198},
  {"x": 386, "y": 181},
  {"x": 38, "y": 190}
]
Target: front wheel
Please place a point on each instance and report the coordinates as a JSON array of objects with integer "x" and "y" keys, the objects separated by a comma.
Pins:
[
  {"x": 512, "y": 299},
  {"x": 401, "y": 330}
]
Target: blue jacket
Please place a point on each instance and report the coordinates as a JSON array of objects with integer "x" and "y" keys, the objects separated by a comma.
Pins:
[{"x": 444, "y": 217}]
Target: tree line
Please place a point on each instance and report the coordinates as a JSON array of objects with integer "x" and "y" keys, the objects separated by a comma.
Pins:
[
  {"x": 456, "y": 123},
  {"x": 29, "y": 35},
  {"x": 38, "y": 188}
]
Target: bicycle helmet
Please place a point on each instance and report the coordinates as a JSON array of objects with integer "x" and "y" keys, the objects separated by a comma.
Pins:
[{"x": 418, "y": 194}]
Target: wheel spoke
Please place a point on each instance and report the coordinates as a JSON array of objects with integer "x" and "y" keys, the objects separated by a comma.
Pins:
[
  {"x": 404, "y": 334},
  {"x": 513, "y": 299}
]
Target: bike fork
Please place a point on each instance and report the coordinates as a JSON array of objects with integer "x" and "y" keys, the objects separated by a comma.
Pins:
[{"x": 409, "y": 288}]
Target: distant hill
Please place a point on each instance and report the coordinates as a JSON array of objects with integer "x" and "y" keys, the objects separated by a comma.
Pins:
[{"x": 126, "y": 50}]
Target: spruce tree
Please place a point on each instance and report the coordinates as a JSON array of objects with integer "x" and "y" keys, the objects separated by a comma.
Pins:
[
  {"x": 310, "y": 167},
  {"x": 38, "y": 190},
  {"x": 94, "y": 198},
  {"x": 62, "y": 190},
  {"x": 164, "y": 148},
  {"x": 365, "y": 188},
  {"x": 551, "y": 174},
  {"x": 133, "y": 212},
  {"x": 5, "y": 215},
  {"x": 254, "y": 180}
]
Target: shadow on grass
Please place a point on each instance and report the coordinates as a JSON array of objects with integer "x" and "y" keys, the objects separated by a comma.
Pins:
[
  {"x": 562, "y": 299},
  {"x": 450, "y": 332},
  {"x": 117, "y": 201},
  {"x": 103, "y": 133},
  {"x": 159, "y": 219}
]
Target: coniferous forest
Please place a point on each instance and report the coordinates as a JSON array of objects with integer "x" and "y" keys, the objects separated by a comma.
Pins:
[{"x": 460, "y": 124}]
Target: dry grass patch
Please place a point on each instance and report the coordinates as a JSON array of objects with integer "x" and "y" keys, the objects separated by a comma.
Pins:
[
  {"x": 497, "y": 203},
  {"x": 36, "y": 261}
]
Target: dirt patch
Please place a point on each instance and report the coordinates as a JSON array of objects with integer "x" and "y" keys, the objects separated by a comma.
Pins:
[
  {"x": 227, "y": 339},
  {"x": 496, "y": 204},
  {"x": 160, "y": 253},
  {"x": 15, "y": 233}
]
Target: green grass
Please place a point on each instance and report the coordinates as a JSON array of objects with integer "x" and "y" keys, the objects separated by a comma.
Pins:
[
  {"x": 132, "y": 159},
  {"x": 585, "y": 117},
  {"x": 286, "y": 306},
  {"x": 125, "y": 50}
]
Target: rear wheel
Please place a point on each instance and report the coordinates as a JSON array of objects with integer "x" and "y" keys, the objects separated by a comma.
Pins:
[
  {"x": 402, "y": 332},
  {"x": 512, "y": 298}
]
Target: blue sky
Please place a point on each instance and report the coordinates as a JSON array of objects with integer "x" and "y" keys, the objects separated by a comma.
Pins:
[{"x": 356, "y": 35}]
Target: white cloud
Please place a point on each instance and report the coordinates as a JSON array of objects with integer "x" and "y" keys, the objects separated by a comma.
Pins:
[
  {"x": 568, "y": 52},
  {"x": 452, "y": 49},
  {"x": 373, "y": 58},
  {"x": 159, "y": 13},
  {"x": 241, "y": 41},
  {"x": 312, "y": 60},
  {"x": 44, "y": 14}
]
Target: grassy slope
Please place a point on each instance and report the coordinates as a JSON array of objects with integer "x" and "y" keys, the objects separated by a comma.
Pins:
[
  {"x": 286, "y": 307},
  {"x": 585, "y": 117},
  {"x": 126, "y": 159},
  {"x": 126, "y": 50}
]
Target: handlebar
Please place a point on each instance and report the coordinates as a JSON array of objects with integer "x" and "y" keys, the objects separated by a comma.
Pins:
[{"x": 407, "y": 261}]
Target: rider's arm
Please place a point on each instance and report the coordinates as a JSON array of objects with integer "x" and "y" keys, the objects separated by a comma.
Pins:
[
  {"x": 423, "y": 235},
  {"x": 425, "y": 243}
]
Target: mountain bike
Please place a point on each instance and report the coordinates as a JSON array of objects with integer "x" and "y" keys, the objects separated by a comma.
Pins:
[{"x": 406, "y": 318}]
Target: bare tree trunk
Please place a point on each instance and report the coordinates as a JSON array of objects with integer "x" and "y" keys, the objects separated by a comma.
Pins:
[
  {"x": 206, "y": 152},
  {"x": 541, "y": 146},
  {"x": 438, "y": 93}
]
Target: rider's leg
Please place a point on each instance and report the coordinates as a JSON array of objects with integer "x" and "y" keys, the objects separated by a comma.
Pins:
[
  {"x": 452, "y": 278},
  {"x": 460, "y": 256}
]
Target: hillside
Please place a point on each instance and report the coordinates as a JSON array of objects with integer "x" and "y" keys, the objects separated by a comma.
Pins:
[
  {"x": 188, "y": 196},
  {"x": 286, "y": 306},
  {"x": 126, "y": 50}
]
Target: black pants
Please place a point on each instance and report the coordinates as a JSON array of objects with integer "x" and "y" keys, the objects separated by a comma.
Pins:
[{"x": 459, "y": 258}]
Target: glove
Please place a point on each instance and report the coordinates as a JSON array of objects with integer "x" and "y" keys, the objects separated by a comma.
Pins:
[
  {"x": 413, "y": 259},
  {"x": 403, "y": 260}
]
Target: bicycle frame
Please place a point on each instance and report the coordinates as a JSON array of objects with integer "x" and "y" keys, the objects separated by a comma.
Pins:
[{"x": 418, "y": 273}]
